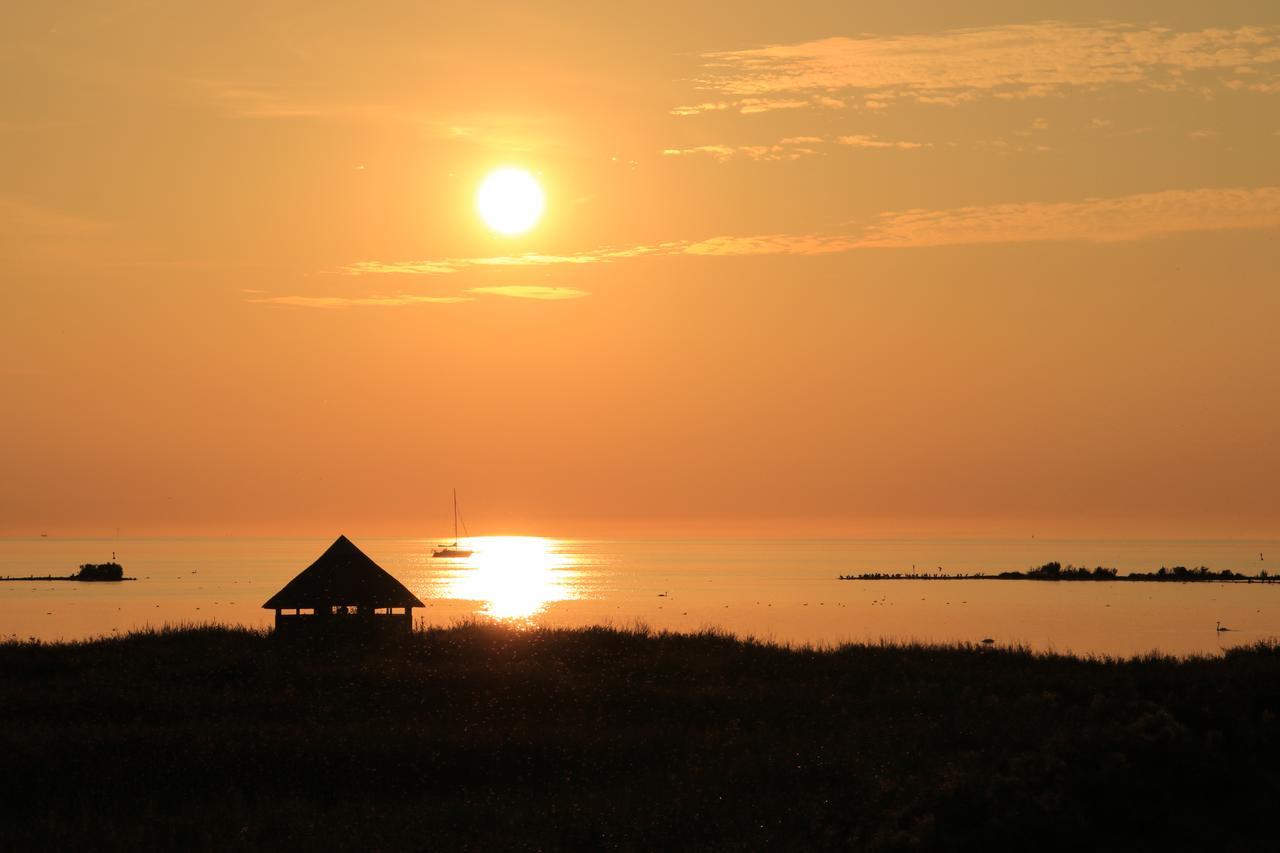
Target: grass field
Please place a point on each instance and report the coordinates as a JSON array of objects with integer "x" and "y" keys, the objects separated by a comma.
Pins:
[{"x": 480, "y": 736}]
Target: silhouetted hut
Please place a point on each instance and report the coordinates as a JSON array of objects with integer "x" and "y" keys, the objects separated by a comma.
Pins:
[{"x": 343, "y": 592}]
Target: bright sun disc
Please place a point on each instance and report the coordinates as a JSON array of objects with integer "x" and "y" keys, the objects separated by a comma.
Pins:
[{"x": 510, "y": 201}]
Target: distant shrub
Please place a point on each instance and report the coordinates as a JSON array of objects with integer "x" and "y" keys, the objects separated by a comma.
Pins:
[
  {"x": 100, "y": 572},
  {"x": 1056, "y": 571},
  {"x": 1048, "y": 570}
]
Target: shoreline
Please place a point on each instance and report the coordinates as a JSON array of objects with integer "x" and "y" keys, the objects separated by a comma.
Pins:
[
  {"x": 1018, "y": 576},
  {"x": 65, "y": 578},
  {"x": 1056, "y": 571},
  {"x": 423, "y": 629}
]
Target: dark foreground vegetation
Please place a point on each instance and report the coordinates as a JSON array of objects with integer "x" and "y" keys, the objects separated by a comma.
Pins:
[
  {"x": 1055, "y": 571},
  {"x": 484, "y": 737}
]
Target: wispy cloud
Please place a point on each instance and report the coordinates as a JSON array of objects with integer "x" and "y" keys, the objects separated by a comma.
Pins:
[
  {"x": 44, "y": 238},
  {"x": 515, "y": 291},
  {"x": 719, "y": 152},
  {"x": 530, "y": 291},
  {"x": 251, "y": 100},
  {"x": 745, "y": 106},
  {"x": 257, "y": 101},
  {"x": 1096, "y": 220},
  {"x": 359, "y": 301},
  {"x": 7, "y": 127},
  {"x": 1261, "y": 87},
  {"x": 529, "y": 259},
  {"x": 863, "y": 140},
  {"x": 773, "y": 244},
  {"x": 34, "y": 222},
  {"x": 790, "y": 148},
  {"x": 1012, "y": 62}
]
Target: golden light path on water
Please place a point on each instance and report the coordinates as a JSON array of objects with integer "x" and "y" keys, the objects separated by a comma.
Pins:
[
  {"x": 515, "y": 577},
  {"x": 780, "y": 590}
]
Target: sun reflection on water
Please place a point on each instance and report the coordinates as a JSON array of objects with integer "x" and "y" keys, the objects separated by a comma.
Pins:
[{"x": 515, "y": 577}]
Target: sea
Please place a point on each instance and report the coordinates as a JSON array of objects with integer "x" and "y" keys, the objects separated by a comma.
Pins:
[{"x": 778, "y": 590}]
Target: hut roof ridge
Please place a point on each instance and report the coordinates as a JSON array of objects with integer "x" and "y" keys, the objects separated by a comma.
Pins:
[{"x": 343, "y": 574}]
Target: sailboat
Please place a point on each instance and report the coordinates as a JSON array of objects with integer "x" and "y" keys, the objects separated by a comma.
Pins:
[{"x": 452, "y": 550}]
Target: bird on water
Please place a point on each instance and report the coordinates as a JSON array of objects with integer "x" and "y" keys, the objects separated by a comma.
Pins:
[{"x": 1221, "y": 628}]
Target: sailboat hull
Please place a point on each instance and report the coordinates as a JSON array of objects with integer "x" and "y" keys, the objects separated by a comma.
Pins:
[{"x": 452, "y": 550}]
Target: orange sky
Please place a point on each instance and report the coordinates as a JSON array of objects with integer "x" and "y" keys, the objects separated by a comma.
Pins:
[{"x": 838, "y": 269}]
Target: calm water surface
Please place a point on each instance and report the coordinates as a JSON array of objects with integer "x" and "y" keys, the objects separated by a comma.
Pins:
[{"x": 782, "y": 590}]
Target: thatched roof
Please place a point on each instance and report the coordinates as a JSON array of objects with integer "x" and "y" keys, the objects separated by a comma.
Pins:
[{"x": 343, "y": 575}]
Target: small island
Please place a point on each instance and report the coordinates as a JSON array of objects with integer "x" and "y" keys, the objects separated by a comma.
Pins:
[
  {"x": 1055, "y": 571},
  {"x": 90, "y": 572}
]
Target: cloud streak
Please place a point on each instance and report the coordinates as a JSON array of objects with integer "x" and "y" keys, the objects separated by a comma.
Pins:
[
  {"x": 863, "y": 140},
  {"x": 790, "y": 148},
  {"x": 773, "y": 244},
  {"x": 393, "y": 301},
  {"x": 255, "y": 101},
  {"x": 447, "y": 266},
  {"x": 1094, "y": 220},
  {"x": 20, "y": 218},
  {"x": 530, "y": 291},
  {"x": 515, "y": 291},
  {"x": 1098, "y": 220},
  {"x": 1016, "y": 61},
  {"x": 38, "y": 238}
]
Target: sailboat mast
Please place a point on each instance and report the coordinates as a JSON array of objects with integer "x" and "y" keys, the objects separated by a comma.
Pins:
[{"x": 455, "y": 517}]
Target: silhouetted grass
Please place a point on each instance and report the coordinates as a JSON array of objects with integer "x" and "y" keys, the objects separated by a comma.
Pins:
[{"x": 480, "y": 736}]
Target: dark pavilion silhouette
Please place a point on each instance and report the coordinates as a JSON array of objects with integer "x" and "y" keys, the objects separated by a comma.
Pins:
[{"x": 346, "y": 593}]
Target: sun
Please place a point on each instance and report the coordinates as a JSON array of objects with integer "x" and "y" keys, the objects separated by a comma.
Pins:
[{"x": 510, "y": 201}]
